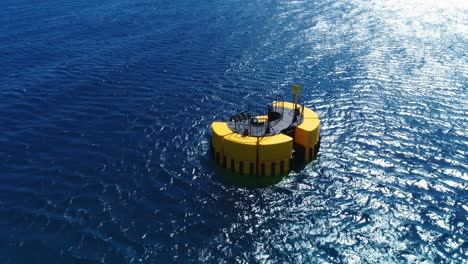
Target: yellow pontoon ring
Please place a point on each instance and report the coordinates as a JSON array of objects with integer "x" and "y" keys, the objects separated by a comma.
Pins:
[{"x": 267, "y": 142}]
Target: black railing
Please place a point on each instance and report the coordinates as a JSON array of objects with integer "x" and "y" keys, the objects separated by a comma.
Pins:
[
  {"x": 261, "y": 121},
  {"x": 250, "y": 122}
]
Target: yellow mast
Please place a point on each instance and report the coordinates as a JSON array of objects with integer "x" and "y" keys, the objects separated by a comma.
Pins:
[{"x": 296, "y": 92}]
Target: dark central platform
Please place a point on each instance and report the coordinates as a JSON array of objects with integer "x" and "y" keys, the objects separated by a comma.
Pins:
[{"x": 257, "y": 125}]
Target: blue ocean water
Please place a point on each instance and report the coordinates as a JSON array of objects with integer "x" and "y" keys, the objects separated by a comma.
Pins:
[{"x": 105, "y": 113}]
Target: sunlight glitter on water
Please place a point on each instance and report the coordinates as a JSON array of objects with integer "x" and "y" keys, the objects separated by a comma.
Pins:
[{"x": 106, "y": 134}]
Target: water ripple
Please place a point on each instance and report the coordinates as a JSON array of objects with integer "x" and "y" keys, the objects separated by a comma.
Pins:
[{"x": 106, "y": 113}]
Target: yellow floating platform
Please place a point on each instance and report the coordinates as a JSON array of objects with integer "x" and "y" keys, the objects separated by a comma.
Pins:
[{"x": 267, "y": 145}]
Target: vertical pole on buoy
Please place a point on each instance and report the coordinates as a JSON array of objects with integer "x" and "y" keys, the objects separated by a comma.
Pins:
[{"x": 296, "y": 92}]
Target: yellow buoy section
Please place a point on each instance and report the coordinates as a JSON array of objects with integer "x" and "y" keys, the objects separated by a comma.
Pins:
[
  {"x": 240, "y": 153},
  {"x": 307, "y": 133},
  {"x": 274, "y": 153},
  {"x": 218, "y": 131},
  {"x": 263, "y": 156}
]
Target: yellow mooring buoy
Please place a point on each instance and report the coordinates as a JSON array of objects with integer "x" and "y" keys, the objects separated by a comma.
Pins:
[{"x": 267, "y": 141}]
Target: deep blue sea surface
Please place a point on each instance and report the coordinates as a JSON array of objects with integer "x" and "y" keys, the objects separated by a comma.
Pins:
[{"x": 105, "y": 113}]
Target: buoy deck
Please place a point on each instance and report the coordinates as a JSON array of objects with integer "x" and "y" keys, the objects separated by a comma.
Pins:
[{"x": 257, "y": 126}]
